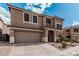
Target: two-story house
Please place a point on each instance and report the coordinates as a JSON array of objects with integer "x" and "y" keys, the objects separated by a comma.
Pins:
[
  {"x": 33, "y": 27},
  {"x": 71, "y": 32}
]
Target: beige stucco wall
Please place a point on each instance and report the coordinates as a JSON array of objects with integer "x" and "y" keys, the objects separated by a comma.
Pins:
[
  {"x": 17, "y": 19},
  {"x": 58, "y": 33},
  {"x": 59, "y": 21}
]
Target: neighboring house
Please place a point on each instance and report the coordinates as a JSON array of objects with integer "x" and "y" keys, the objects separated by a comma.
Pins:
[
  {"x": 71, "y": 32},
  {"x": 33, "y": 27}
]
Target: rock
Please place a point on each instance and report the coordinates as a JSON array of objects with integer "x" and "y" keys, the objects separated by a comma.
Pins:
[{"x": 68, "y": 43}]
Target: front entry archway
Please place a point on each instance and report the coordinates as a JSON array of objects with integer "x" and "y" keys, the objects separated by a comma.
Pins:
[{"x": 50, "y": 36}]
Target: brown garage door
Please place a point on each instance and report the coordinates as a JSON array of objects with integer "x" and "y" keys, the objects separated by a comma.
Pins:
[{"x": 27, "y": 37}]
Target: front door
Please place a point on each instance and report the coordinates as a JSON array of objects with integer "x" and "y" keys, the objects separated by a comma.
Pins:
[{"x": 50, "y": 36}]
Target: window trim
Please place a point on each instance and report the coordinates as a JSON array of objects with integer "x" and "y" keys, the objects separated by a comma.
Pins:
[
  {"x": 45, "y": 20},
  {"x": 67, "y": 30},
  {"x": 58, "y": 24},
  {"x": 49, "y": 18},
  {"x": 32, "y": 19},
  {"x": 76, "y": 30},
  {"x": 23, "y": 18}
]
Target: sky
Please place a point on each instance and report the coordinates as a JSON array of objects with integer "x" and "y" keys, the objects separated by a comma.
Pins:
[{"x": 68, "y": 11}]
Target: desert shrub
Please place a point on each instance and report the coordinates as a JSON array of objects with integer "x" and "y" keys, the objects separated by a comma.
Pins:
[
  {"x": 67, "y": 39},
  {"x": 61, "y": 38},
  {"x": 64, "y": 44},
  {"x": 64, "y": 41}
]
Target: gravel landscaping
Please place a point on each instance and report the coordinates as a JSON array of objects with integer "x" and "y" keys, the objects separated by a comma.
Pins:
[{"x": 58, "y": 46}]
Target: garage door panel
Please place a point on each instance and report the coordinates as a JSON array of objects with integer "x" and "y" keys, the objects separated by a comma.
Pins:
[{"x": 27, "y": 37}]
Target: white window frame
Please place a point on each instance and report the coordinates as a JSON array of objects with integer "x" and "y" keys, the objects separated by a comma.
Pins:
[
  {"x": 24, "y": 20},
  {"x": 32, "y": 19},
  {"x": 59, "y": 24},
  {"x": 49, "y": 18}
]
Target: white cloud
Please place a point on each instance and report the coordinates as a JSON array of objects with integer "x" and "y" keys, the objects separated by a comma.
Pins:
[
  {"x": 44, "y": 5},
  {"x": 28, "y": 6},
  {"x": 5, "y": 15},
  {"x": 5, "y": 12},
  {"x": 75, "y": 22},
  {"x": 5, "y": 19},
  {"x": 35, "y": 9}
]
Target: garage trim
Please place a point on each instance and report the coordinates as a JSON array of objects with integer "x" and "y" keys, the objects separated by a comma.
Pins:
[{"x": 14, "y": 28}]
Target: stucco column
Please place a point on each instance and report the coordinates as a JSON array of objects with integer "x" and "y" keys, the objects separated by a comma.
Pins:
[
  {"x": 55, "y": 36},
  {"x": 45, "y": 37},
  {"x": 12, "y": 39}
]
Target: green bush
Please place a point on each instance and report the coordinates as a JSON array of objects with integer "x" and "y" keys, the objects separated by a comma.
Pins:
[
  {"x": 67, "y": 39},
  {"x": 63, "y": 41},
  {"x": 61, "y": 38},
  {"x": 64, "y": 44}
]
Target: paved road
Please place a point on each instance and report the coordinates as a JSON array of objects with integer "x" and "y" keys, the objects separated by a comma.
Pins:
[{"x": 37, "y": 49}]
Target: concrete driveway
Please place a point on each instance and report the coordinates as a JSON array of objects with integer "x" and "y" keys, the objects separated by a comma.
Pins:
[
  {"x": 35, "y": 49},
  {"x": 31, "y": 49}
]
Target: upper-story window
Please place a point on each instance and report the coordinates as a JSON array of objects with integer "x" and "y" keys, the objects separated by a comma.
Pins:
[
  {"x": 67, "y": 30},
  {"x": 59, "y": 26},
  {"x": 26, "y": 17},
  {"x": 31, "y": 20},
  {"x": 34, "y": 19},
  {"x": 75, "y": 29},
  {"x": 48, "y": 21}
]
